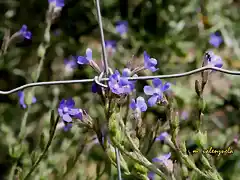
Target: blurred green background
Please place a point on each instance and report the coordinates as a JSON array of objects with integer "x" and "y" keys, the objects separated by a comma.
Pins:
[{"x": 175, "y": 32}]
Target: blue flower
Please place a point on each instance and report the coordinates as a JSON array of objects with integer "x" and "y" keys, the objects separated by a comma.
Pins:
[
  {"x": 85, "y": 59},
  {"x": 162, "y": 159},
  {"x": 138, "y": 105},
  {"x": 67, "y": 111},
  {"x": 22, "y": 101},
  {"x": 184, "y": 115},
  {"x": 151, "y": 175},
  {"x": 25, "y": 33},
  {"x": 67, "y": 126},
  {"x": 162, "y": 136},
  {"x": 111, "y": 45},
  {"x": 156, "y": 92},
  {"x": 214, "y": 60},
  {"x": 96, "y": 88},
  {"x": 120, "y": 84},
  {"x": 215, "y": 40},
  {"x": 122, "y": 27},
  {"x": 70, "y": 64},
  {"x": 57, "y": 3},
  {"x": 149, "y": 63}
]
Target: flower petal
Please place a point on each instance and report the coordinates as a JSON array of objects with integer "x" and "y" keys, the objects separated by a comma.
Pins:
[
  {"x": 141, "y": 104},
  {"x": 62, "y": 103},
  {"x": 89, "y": 54},
  {"x": 152, "y": 100},
  {"x": 148, "y": 90},
  {"x": 74, "y": 111},
  {"x": 133, "y": 104},
  {"x": 82, "y": 60},
  {"x": 66, "y": 118},
  {"x": 34, "y": 100},
  {"x": 146, "y": 56},
  {"x": 152, "y": 62},
  {"x": 70, "y": 103},
  {"x": 157, "y": 82},
  {"x": 60, "y": 112},
  {"x": 166, "y": 86}
]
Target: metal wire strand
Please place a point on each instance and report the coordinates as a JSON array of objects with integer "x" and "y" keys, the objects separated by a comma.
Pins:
[
  {"x": 50, "y": 83},
  {"x": 106, "y": 72},
  {"x": 104, "y": 54}
]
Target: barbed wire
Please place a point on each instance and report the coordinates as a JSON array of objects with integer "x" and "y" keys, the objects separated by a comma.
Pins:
[{"x": 99, "y": 80}]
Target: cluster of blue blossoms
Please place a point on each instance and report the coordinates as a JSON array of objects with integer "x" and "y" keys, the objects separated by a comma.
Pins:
[{"x": 119, "y": 83}]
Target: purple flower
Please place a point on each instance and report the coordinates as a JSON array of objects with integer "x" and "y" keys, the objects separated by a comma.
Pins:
[
  {"x": 213, "y": 59},
  {"x": 70, "y": 64},
  {"x": 122, "y": 27},
  {"x": 25, "y": 33},
  {"x": 67, "y": 111},
  {"x": 149, "y": 63},
  {"x": 151, "y": 175},
  {"x": 22, "y": 101},
  {"x": 162, "y": 136},
  {"x": 156, "y": 92},
  {"x": 215, "y": 40},
  {"x": 139, "y": 105},
  {"x": 120, "y": 85},
  {"x": 111, "y": 45},
  {"x": 67, "y": 126},
  {"x": 162, "y": 159},
  {"x": 85, "y": 59},
  {"x": 184, "y": 115},
  {"x": 96, "y": 88},
  {"x": 57, "y": 3}
]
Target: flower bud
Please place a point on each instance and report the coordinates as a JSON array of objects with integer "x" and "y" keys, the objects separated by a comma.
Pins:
[
  {"x": 205, "y": 162},
  {"x": 41, "y": 51},
  {"x": 198, "y": 87},
  {"x": 201, "y": 139},
  {"x": 184, "y": 170},
  {"x": 189, "y": 162},
  {"x": 183, "y": 147}
]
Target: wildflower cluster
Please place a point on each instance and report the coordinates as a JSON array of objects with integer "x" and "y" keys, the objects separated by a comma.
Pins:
[{"x": 124, "y": 131}]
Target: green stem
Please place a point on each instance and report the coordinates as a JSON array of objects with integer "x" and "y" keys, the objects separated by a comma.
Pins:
[
  {"x": 12, "y": 172},
  {"x": 44, "y": 151},
  {"x": 45, "y": 46}
]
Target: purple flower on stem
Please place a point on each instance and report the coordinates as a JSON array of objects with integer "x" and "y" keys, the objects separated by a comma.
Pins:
[
  {"x": 149, "y": 63},
  {"x": 111, "y": 45},
  {"x": 122, "y": 27},
  {"x": 215, "y": 40},
  {"x": 162, "y": 159},
  {"x": 214, "y": 60},
  {"x": 156, "y": 92},
  {"x": 22, "y": 100},
  {"x": 120, "y": 85},
  {"x": 57, "y": 3},
  {"x": 25, "y": 33},
  {"x": 162, "y": 136},
  {"x": 138, "y": 105},
  {"x": 85, "y": 59},
  {"x": 67, "y": 111}
]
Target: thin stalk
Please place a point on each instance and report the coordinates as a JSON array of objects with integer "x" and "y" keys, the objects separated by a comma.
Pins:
[
  {"x": 44, "y": 151},
  {"x": 45, "y": 46}
]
